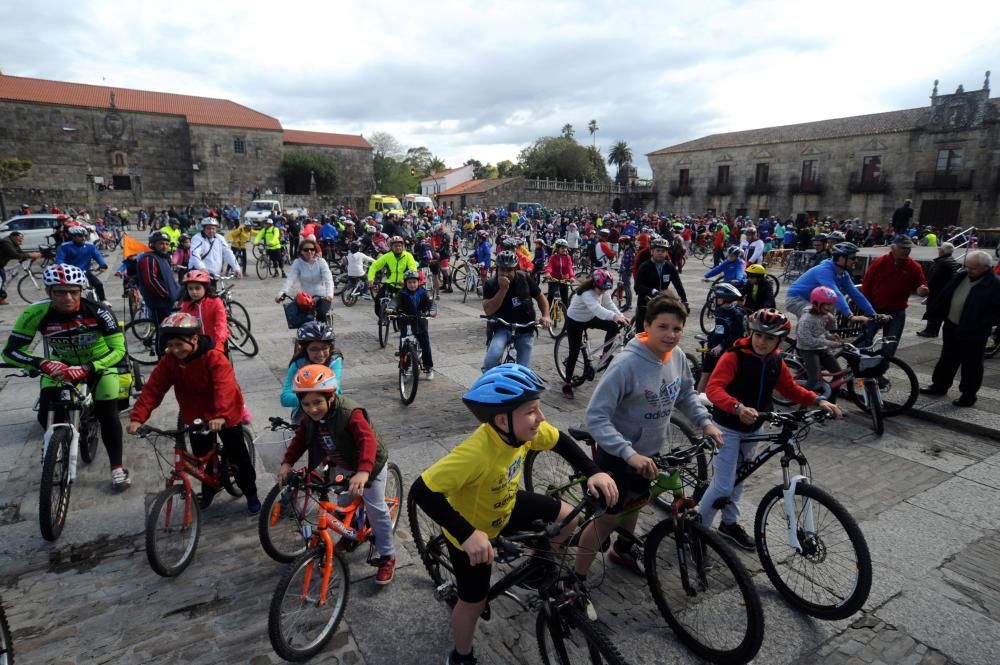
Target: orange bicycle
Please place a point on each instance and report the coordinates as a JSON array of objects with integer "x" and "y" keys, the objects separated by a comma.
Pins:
[
  {"x": 173, "y": 523},
  {"x": 311, "y": 596}
]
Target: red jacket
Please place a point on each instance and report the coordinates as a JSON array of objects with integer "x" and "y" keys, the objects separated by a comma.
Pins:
[
  {"x": 212, "y": 314},
  {"x": 559, "y": 266},
  {"x": 888, "y": 285},
  {"x": 204, "y": 385}
]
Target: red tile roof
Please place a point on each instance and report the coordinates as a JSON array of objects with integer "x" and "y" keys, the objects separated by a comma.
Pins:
[
  {"x": 440, "y": 174},
  {"x": 327, "y": 139},
  {"x": 474, "y": 187},
  {"x": 197, "y": 110}
]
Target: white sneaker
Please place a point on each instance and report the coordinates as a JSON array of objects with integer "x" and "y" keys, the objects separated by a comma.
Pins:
[
  {"x": 429, "y": 375},
  {"x": 120, "y": 480}
]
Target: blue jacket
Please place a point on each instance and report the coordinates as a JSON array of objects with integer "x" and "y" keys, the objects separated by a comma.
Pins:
[
  {"x": 729, "y": 327},
  {"x": 732, "y": 271},
  {"x": 328, "y": 232},
  {"x": 825, "y": 274},
  {"x": 290, "y": 399},
  {"x": 483, "y": 253},
  {"x": 79, "y": 255}
]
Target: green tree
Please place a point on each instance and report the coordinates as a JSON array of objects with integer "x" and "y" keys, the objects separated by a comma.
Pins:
[
  {"x": 479, "y": 170},
  {"x": 620, "y": 154},
  {"x": 298, "y": 168},
  {"x": 11, "y": 169},
  {"x": 507, "y": 169},
  {"x": 420, "y": 159},
  {"x": 561, "y": 158},
  {"x": 597, "y": 163},
  {"x": 387, "y": 153},
  {"x": 592, "y": 128},
  {"x": 437, "y": 165},
  {"x": 568, "y": 132}
]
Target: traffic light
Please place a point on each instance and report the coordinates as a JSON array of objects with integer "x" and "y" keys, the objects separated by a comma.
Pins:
[{"x": 413, "y": 172}]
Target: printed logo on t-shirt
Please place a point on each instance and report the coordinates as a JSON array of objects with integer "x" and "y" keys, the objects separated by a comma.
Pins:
[
  {"x": 662, "y": 401},
  {"x": 513, "y": 469}
]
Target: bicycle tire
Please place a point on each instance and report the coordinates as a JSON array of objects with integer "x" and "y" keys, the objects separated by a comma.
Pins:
[
  {"x": 560, "y": 354},
  {"x": 460, "y": 276},
  {"x": 552, "y": 475},
  {"x": 279, "y": 526},
  {"x": 470, "y": 286},
  {"x": 90, "y": 432},
  {"x": 141, "y": 341},
  {"x": 774, "y": 532},
  {"x": 236, "y": 310},
  {"x": 707, "y": 318},
  {"x": 725, "y": 585},
  {"x": 558, "y": 316},
  {"x": 430, "y": 542},
  {"x": 257, "y": 251},
  {"x": 775, "y": 284},
  {"x": 393, "y": 492},
  {"x": 229, "y": 477},
  {"x": 575, "y": 640},
  {"x": 156, "y": 549},
  {"x": 349, "y": 296},
  {"x": 383, "y": 329},
  {"x": 6, "y": 641},
  {"x": 409, "y": 373},
  {"x": 798, "y": 371},
  {"x": 133, "y": 302},
  {"x": 992, "y": 343},
  {"x": 874, "y": 403},
  {"x": 339, "y": 284},
  {"x": 242, "y": 339},
  {"x": 55, "y": 488},
  {"x": 298, "y": 598},
  {"x": 694, "y": 474},
  {"x": 30, "y": 287},
  {"x": 894, "y": 402},
  {"x": 263, "y": 267}
]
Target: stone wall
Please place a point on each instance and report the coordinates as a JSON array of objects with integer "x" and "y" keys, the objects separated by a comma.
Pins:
[
  {"x": 551, "y": 197},
  {"x": 355, "y": 168},
  {"x": 229, "y": 174}
]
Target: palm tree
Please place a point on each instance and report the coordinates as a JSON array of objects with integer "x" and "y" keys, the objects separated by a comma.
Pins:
[
  {"x": 620, "y": 154},
  {"x": 592, "y": 128},
  {"x": 567, "y": 131}
]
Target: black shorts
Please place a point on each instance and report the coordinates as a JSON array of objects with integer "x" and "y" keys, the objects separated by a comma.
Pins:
[
  {"x": 473, "y": 582},
  {"x": 631, "y": 485},
  {"x": 435, "y": 268}
]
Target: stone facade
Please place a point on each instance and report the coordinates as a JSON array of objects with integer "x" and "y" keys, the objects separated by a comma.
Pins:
[
  {"x": 551, "y": 194},
  {"x": 355, "y": 169},
  {"x": 944, "y": 157}
]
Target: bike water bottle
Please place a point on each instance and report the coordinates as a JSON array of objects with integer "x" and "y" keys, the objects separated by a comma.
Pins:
[{"x": 669, "y": 482}]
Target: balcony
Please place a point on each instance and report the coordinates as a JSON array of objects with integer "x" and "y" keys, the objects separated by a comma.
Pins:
[
  {"x": 951, "y": 181},
  {"x": 719, "y": 189},
  {"x": 760, "y": 188},
  {"x": 877, "y": 185},
  {"x": 799, "y": 186},
  {"x": 680, "y": 188}
]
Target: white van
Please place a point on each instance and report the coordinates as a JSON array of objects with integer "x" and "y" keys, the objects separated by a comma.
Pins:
[{"x": 415, "y": 203}]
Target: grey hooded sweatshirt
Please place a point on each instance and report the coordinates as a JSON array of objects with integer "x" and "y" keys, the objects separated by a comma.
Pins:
[{"x": 630, "y": 409}]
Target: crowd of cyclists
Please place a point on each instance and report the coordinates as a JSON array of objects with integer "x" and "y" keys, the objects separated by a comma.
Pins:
[{"x": 599, "y": 264}]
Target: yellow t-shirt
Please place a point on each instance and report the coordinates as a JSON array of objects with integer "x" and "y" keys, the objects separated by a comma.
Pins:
[{"x": 480, "y": 477}]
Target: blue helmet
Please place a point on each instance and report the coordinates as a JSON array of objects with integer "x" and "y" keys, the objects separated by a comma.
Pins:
[{"x": 501, "y": 390}]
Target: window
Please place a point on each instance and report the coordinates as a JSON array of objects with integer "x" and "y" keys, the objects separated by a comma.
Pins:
[
  {"x": 239, "y": 146},
  {"x": 760, "y": 175},
  {"x": 122, "y": 182},
  {"x": 723, "y": 177},
  {"x": 684, "y": 177},
  {"x": 809, "y": 171},
  {"x": 948, "y": 161},
  {"x": 871, "y": 169}
]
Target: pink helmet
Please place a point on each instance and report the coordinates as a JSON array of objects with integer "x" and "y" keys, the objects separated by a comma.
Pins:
[
  {"x": 822, "y": 295},
  {"x": 603, "y": 279}
]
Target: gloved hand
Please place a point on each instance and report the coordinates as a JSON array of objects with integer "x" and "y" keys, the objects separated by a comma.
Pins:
[
  {"x": 53, "y": 367},
  {"x": 75, "y": 374}
]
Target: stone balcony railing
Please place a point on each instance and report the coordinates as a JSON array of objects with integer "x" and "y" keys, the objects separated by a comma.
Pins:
[
  {"x": 953, "y": 180},
  {"x": 554, "y": 184},
  {"x": 877, "y": 185}
]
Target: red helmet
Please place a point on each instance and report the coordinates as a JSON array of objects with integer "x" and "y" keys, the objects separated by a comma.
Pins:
[
  {"x": 770, "y": 322},
  {"x": 305, "y": 302},
  {"x": 822, "y": 295},
  {"x": 603, "y": 279},
  {"x": 197, "y": 276}
]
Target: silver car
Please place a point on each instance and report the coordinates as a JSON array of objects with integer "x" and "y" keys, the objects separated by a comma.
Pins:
[{"x": 38, "y": 228}]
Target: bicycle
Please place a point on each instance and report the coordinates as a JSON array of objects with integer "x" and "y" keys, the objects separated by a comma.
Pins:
[
  {"x": 699, "y": 586},
  {"x": 411, "y": 358},
  {"x": 566, "y": 635},
  {"x": 355, "y": 290},
  {"x": 993, "y": 342},
  {"x": 266, "y": 268},
  {"x": 510, "y": 351},
  {"x": 468, "y": 277},
  {"x": 72, "y": 431},
  {"x": 557, "y": 311},
  {"x": 591, "y": 360},
  {"x": 30, "y": 285},
  {"x": 384, "y": 320},
  {"x": 6, "y": 641},
  {"x": 318, "y": 580},
  {"x": 234, "y": 309},
  {"x": 173, "y": 523}
]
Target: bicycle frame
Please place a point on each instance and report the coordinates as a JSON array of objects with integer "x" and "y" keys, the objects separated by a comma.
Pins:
[{"x": 72, "y": 401}]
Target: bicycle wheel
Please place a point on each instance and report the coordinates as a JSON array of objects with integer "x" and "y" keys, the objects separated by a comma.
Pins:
[
  {"x": 230, "y": 470},
  {"x": 430, "y": 542},
  {"x": 394, "y": 492},
  {"x": 339, "y": 284},
  {"x": 30, "y": 287},
  {"x": 280, "y": 526},
  {"x": 349, "y": 296},
  {"x": 409, "y": 373},
  {"x": 172, "y": 531},
  {"x": 470, "y": 286},
  {"x": 558, "y": 316},
  {"x": 831, "y": 576},
  {"x": 561, "y": 353},
  {"x": 300, "y": 622},
  {"x": 703, "y": 591},
  {"x": 237, "y": 311},
  {"x": 992, "y": 344},
  {"x": 568, "y": 637},
  {"x": 141, "y": 341},
  {"x": 133, "y": 301},
  {"x": 873, "y": 405},
  {"x": 383, "y": 329},
  {"x": 898, "y": 385},
  {"x": 53, "y": 494},
  {"x": 460, "y": 277},
  {"x": 548, "y": 473},
  {"x": 707, "y": 317},
  {"x": 6, "y": 642},
  {"x": 263, "y": 266},
  {"x": 798, "y": 371},
  {"x": 90, "y": 432},
  {"x": 775, "y": 284},
  {"x": 242, "y": 339}
]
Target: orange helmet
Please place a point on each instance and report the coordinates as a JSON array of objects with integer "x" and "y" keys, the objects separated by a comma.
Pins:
[
  {"x": 197, "y": 276},
  {"x": 315, "y": 379}
]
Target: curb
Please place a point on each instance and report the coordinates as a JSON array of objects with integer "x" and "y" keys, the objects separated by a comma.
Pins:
[{"x": 963, "y": 426}]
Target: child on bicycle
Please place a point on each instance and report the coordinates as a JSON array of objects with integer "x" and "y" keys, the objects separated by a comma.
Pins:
[
  {"x": 357, "y": 264},
  {"x": 200, "y": 300},
  {"x": 740, "y": 389},
  {"x": 414, "y": 300},
  {"x": 560, "y": 271},
  {"x": 729, "y": 326},
  {"x": 472, "y": 492},
  {"x": 814, "y": 338},
  {"x": 628, "y": 416},
  {"x": 337, "y": 430},
  {"x": 758, "y": 290},
  {"x": 205, "y": 386},
  {"x": 591, "y": 309},
  {"x": 314, "y": 345}
]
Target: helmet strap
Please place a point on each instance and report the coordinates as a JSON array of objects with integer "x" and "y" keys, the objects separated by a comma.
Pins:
[{"x": 508, "y": 436}]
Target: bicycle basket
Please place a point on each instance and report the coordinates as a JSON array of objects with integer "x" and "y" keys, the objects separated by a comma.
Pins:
[
  {"x": 867, "y": 364},
  {"x": 270, "y": 446}
]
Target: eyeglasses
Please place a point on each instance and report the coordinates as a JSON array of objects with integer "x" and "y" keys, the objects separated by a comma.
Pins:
[
  {"x": 308, "y": 249},
  {"x": 60, "y": 293}
]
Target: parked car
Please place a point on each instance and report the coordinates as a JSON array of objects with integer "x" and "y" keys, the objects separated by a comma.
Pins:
[
  {"x": 260, "y": 210},
  {"x": 38, "y": 228}
]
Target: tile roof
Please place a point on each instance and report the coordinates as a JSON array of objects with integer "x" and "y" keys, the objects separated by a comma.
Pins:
[
  {"x": 326, "y": 138},
  {"x": 440, "y": 174},
  {"x": 859, "y": 125},
  {"x": 197, "y": 110},
  {"x": 474, "y": 187}
]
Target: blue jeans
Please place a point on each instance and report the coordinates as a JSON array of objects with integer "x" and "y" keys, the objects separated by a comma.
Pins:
[
  {"x": 523, "y": 343},
  {"x": 724, "y": 477},
  {"x": 377, "y": 511}
]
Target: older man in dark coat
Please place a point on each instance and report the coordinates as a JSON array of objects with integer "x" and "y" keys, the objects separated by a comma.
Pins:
[
  {"x": 969, "y": 305},
  {"x": 939, "y": 274}
]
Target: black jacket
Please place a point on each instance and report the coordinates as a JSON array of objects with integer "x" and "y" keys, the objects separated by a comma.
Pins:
[
  {"x": 940, "y": 272},
  {"x": 982, "y": 306},
  {"x": 648, "y": 280}
]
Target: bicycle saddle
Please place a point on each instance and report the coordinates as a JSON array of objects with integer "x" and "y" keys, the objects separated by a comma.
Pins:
[{"x": 580, "y": 434}]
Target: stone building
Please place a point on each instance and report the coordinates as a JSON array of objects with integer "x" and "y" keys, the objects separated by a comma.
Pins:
[
  {"x": 945, "y": 157},
  {"x": 97, "y": 145}
]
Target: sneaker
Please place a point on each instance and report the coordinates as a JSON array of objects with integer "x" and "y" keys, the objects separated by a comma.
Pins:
[
  {"x": 386, "y": 571},
  {"x": 206, "y": 497},
  {"x": 120, "y": 480},
  {"x": 567, "y": 391},
  {"x": 933, "y": 390},
  {"x": 965, "y": 400},
  {"x": 429, "y": 375},
  {"x": 737, "y": 535},
  {"x": 630, "y": 560},
  {"x": 455, "y": 659},
  {"x": 253, "y": 505}
]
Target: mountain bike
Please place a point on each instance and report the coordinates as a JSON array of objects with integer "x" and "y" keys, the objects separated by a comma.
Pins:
[
  {"x": 266, "y": 268},
  {"x": 6, "y": 641},
  {"x": 557, "y": 311},
  {"x": 566, "y": 635},
  {"x": 234, "y": 309},
  {"x": 173, "y": 523},
  {"x": 311, "y": 596},
  {"x": 699, "y": 585},
  {"x": 356, "y": 289},
  {"x": 592, "y": 359},
  {"x": 510, "y": 351},
  {"x": 411, "y": 358},
  {"x": 384, "y": 321},
  {"x": 469, "y": 276}
]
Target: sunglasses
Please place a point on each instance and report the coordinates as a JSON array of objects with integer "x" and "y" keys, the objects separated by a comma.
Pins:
[{"x": 307, "y": 249}]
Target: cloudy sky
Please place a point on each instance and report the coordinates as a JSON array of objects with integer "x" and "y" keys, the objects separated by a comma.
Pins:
[{"x": 484, "y": 79}]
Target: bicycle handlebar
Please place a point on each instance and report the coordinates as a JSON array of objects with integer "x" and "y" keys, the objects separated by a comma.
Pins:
[
  {"x": 338, "y": 484},
  {"x": 680, "y": 456},
  {"x": 509, "y": 548},
  {"x": 279, "y": 423},
  {"x": 512, "y": 326},
  {"x": 197, "y": 427},
  {"x": 789, "y": 418}
]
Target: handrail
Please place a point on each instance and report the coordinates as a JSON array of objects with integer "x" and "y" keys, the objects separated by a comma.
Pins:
[{"x": 968, "y": 238}]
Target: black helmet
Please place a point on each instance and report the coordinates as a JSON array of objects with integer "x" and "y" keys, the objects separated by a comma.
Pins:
[
  {"x": 158, "y": 235},
  {"x": 727, "y": 292},
  {"x": 315, "y": 331},
  {"x": 821, "y": 236},
  {"x": 844, "y": 249},
  {"x": 507, "y": 259}
]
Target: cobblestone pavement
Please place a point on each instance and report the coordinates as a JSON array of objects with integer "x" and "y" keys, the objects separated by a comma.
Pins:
[{"x": 926, "y": 497}]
